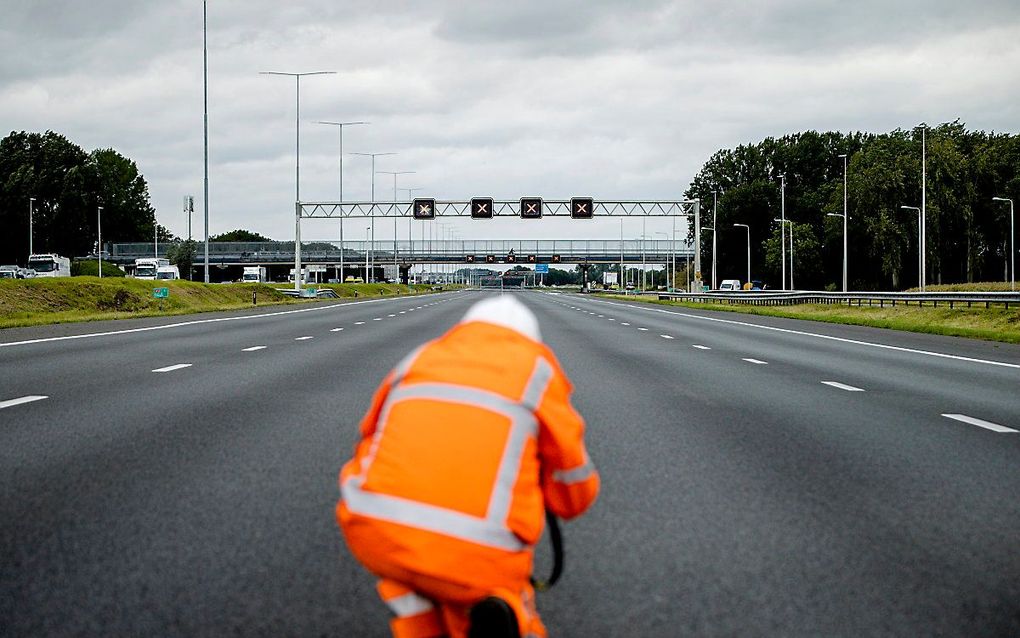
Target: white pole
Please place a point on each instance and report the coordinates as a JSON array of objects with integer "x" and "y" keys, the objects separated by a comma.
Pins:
[
  {"x": 846, "y": 216},
  {"x": 924, "y": 216},
  {"x": 205, "y": 133},
  {"x": 715, "y": 221},
  {"x": 31, "y": 210},
  {"x": 99, "y": 228},
  {"x": 782, "y": 227}
]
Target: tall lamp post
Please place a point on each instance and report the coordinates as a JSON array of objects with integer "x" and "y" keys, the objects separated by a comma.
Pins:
[
  {"x": 99, "y": 231},
  {"x": 1012, "y": 248},
  {"x": 748, "y": 248},
  {"x": 843, "y": 215},
  {"x": 373, "y": 156},
  {"x": 394, "y": 174},
  {"x": 782, "y": 227},
  {"x": 297, "y": 164},
  {"x": 845, "y": 218},
  {"x": 715, "y": 221},
  {"x": 31, "y": 211},
  {"x": 920, "y": 247},
  {"x": 205, "y": 131},
  {"x": 340, "y": 127},
  {"x": 924, "y": 199}
]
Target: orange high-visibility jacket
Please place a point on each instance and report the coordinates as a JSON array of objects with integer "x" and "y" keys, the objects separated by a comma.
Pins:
[{"x": 466, "y": 441}]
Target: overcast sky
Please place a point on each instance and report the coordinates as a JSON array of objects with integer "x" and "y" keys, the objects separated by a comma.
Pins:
[{"x": 611, "y": 99}]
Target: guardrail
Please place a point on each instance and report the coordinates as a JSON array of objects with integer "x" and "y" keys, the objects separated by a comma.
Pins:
[
  {"x": 881, "y": 299},
  {"x": 321, "y": 293}
]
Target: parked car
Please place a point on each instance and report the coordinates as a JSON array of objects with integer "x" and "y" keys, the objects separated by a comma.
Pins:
[{"x": 730, "y": 284}]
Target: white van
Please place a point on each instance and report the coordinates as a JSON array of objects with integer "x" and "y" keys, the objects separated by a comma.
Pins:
[
  {"x": 147, "y": 267},
  {"x": 730, "y": 284},
  {"x": 168, "y": 272}
]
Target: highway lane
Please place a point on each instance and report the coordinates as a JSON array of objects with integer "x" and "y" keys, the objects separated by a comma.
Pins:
[
  {"x": 198, "y": 501},
  {"x": 739, "y": 497}
]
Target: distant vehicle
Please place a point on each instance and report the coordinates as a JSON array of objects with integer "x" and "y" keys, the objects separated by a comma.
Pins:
[
  {"x": 354, "y": 280},
  {"x": 730, "y": 284},
  {"x": 147, "y": 267},
  {"x": 27, "y": 273},
  {"x": 758, "y": 284},
  {"x": 304, "y": 276},
  {"x": 168, "y": 272},
  {"x": 254, "y": 274},
  {"x": 50, "y": 265},
  {"x": 10, "y": 272}
]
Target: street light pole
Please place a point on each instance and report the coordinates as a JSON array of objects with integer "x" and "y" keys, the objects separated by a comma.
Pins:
[
  {"x": 920, "y": 261},
  {"x": 715, "y": 221},
  {"x": 665, "y": 266},
  {"x": 782, "y": 228},
  {"x": 205, "y": 130},
  {"x": 782, "y": 224},
  {"x": 845, "y": 218},
  {"x": 748, "y": 249},
  {"x": 31, "y": 211},
  {"x": 924, "y": 200},
  {"x": 99, "y": 230},
  {"x": 1012, "y": 247},
  {"x": 373, "y": 156},
  {"x": 297, "y": 164}
]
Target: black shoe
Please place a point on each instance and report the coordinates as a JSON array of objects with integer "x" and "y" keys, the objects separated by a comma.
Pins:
[{"x": 493, "y": 618}]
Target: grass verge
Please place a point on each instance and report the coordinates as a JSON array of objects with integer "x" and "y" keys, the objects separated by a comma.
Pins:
[
  {"x": 33, "y": 302},
  {"x": 992, "y": 324}
]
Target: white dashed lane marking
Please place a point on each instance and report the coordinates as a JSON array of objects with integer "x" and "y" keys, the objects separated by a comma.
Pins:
[
  {"x": 177, "y": 366},
  {"x": 624, "y": 323},
  {"x": 981, "y": 423},
  {"x": 303, "y": 338},
  {"x": 253, "y": 349},
  {"x": 10, "y": 403},
  {"x": 643, "y": 329},
  {"x": 757, "y": 362},
  {"x": 336, "y": 329},
  {"x": 843, "y": 386},
  {"x": 666, "y": 336},
  {"x": 377, "y": 319},
  {"x": 700, "y": 347}
]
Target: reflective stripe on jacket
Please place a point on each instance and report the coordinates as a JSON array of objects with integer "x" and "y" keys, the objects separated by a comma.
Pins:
[{"x": 469, "y": 438}]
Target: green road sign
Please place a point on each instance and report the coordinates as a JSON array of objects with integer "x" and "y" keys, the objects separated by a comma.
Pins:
[{"x": 161, "y": 293}]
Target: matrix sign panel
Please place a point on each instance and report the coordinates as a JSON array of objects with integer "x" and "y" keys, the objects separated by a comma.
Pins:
[
  {"x": 424, "y": 209},
  {"x": 531, "y": 207},
  {"x": 481, "y": 208},
  {"x": 582, "y": 207}
]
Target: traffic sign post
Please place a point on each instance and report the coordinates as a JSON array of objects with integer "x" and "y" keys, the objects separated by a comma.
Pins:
[
  {"x": 424, "y": 208},
  {"x": 161, "y": 294},
  {"x": 582, "y": 207},
  {"x": 542, "y": 268},
  {"x": 531, "y": 207},
  {"x": 481, "y": 208}
]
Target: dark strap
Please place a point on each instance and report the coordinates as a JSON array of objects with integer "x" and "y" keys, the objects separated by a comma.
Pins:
[{"x": 556, "y": 538}]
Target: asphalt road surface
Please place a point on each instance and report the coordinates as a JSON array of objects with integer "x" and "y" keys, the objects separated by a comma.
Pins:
[{"x": 760, "y": 476}]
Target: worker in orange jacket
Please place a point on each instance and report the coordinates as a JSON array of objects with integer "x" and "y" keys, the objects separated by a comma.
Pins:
[{"x": 467, "y": 441}]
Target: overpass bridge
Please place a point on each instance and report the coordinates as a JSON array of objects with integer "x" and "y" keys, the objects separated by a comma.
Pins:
[{"x": 406, "y": 253}]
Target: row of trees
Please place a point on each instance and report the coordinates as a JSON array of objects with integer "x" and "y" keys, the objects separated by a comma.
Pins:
[
  {"x": 68, "y": 185},
  {"x": 968, "y": 233}
]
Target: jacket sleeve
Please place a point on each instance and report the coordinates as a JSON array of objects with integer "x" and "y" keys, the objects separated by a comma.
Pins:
[{"x": 569, "y": 480}]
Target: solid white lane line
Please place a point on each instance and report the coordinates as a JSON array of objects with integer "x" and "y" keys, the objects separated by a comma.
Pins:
[
  {"x": 173, "y": 367},
  {"x": 757, "y": 362},
  {"x": 9, "y": 403},
  {"x": 666, "y": 336},
  {"x": 843, "y": 386},
  {"x": 336, "y": 329},
  {"x": 803, "y": 333},
  {"x": 700, "y": 347},
  {"x": 303, "y": 338},
  {"x": 253, "y": 349},
  {"x": 981, "y": 423}
]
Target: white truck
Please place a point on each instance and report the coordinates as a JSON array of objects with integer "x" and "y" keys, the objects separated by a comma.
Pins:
[
  {"x": 50, "y": 265},
  {"x": 254, "y": 274},
  {"x": 148, "y": 267},
  {"x": 168, "y": 273}
]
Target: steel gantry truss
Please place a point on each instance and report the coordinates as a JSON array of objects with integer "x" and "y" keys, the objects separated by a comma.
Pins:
[{"x": 500, "y": 208}]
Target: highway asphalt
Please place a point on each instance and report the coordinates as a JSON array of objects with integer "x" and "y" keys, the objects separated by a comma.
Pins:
[{"x": 761, "y": 476}]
